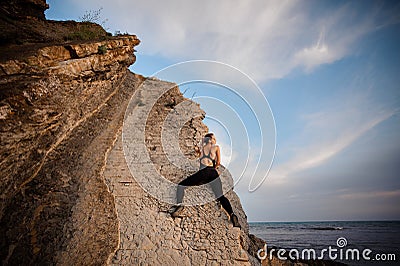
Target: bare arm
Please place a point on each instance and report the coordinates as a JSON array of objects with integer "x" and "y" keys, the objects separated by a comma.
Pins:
[{"x": 217, "y": 157}]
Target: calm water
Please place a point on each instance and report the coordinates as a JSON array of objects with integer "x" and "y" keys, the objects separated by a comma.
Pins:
[{"x": 380, "y": 237}]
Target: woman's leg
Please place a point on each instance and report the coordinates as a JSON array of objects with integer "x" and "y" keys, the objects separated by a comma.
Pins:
[
  {"x": 192, "y": 180},
  {"x": 216, "y": 186}
]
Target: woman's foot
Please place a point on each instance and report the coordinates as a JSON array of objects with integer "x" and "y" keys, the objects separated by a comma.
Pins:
[
  {"x": 235, "y": 220},
  {"x": 175, "y": 211}
]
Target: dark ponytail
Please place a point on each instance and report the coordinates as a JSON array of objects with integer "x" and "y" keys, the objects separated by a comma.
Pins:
[{"x": 209, "y": 135}]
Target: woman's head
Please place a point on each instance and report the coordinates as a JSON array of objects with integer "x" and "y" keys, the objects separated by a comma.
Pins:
[{"x": 210, "y": 137}]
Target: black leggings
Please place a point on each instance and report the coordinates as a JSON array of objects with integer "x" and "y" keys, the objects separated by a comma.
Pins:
[{"x": 201, "y": 177}]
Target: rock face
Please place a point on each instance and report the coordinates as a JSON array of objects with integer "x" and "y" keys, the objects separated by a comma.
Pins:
[
  {"x": 61, "y": 106},
  {"x": 25, "y": 8},
  {"x": 55, "y": 134},
  {"x": 148, "y": 234}
]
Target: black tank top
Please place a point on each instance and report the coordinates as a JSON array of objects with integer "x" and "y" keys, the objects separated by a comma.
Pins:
[{"x": 206, "y": 156}]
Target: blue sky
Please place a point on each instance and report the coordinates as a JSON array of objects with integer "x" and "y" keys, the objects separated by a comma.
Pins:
[{"x": 330, "y": 72}]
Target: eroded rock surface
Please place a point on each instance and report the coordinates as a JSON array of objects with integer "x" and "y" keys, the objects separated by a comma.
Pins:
[{"x": 148, "y": 234}]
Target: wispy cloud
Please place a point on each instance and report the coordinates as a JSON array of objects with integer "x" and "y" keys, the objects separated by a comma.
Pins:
[
  {"x": 338, "y": 32},
  {"x": 265, "y": 39},
  {"x": 326, "y": 133},
  {"x": 371, "y": 195}
]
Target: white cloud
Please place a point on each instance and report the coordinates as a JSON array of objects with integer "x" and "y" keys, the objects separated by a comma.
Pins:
[
  {"x": 265, "y": 39},
  {"x": 315, "y": 55}
]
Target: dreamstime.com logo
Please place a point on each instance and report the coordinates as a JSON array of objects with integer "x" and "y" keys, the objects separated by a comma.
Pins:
[
  {"x": 236, "y": 107},
  {"x": 340, "y": 252}
]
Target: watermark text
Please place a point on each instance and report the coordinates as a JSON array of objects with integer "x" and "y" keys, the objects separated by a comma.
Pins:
[{"x": 338, "y": 252}]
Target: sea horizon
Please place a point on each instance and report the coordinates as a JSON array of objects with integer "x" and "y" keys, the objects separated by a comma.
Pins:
[
  {"x": 381, "y": 238},
  {"x": 321, "y": 221}
]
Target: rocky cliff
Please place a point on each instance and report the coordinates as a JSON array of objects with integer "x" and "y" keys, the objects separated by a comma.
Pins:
[
  {"x": 68, "y": 196},
  {"x": 62, "y": 103}
]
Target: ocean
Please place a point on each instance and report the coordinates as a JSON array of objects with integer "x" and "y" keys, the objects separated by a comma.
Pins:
[{"x": 350, "y": 242}]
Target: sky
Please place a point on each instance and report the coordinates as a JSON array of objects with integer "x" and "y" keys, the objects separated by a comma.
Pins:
[{"x": 315, "y": 98}]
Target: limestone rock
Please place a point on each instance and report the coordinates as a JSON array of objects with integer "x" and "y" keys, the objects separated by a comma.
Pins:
[
  {"x": 60, "y": 112},
  {"x": 79, "y": 60},
  {"x": 55, "y": 207}
]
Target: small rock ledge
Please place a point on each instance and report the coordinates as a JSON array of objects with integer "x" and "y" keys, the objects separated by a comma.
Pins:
[{"x": 75, "y": 60}]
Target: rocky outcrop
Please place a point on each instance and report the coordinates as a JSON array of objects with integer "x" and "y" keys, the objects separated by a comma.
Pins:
[
  {"x": 85, "y": 60},
  {"x": 61, "y": 105},
  {"x": 55, "y": 133},
  {"x": 24, "y": 29}
]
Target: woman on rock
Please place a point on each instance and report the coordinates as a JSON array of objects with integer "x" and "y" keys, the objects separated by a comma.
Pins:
[{"x": 210, "y": 158}]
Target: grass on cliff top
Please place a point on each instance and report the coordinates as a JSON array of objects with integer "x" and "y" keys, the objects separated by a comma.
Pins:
[
  {"x": 86, "y": 31},
  {"x": 22, "y": 38}
]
